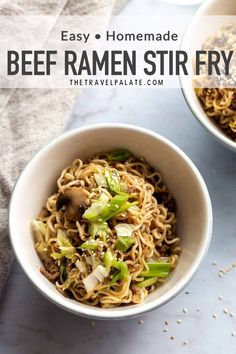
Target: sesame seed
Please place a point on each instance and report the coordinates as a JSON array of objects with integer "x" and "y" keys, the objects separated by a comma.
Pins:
[
  {"x": 233, "y": 334},
  {"x": 172, "y": 338},
  {"x": 179, "y": 321},
  {"x": 214, "y": 263},
  {"x": 224, "y": 271},
  {"x": 220, "y": 297},
  {"x": 187, "y": 292},
  {"x": 165, "y": 329},
  {"x": 214, "y": 315},
  {"x": 225, "y": 311},
  {"x": 140, "y": 321},
  {"x": 185, "y": 310},
  {"x": 166, "y": 323},
  {"x": 185, "y": 342},
  {"x": 231, "y": 314}
]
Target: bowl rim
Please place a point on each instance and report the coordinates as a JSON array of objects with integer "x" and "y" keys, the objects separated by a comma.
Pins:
[
  {"x": 188, "y": 92},
  {"x": 134, "y": 310},
  {"x": 193, "y": 3}
]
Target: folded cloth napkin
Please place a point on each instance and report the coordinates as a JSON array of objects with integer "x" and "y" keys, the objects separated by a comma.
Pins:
[{"x": 29, "y": 118}]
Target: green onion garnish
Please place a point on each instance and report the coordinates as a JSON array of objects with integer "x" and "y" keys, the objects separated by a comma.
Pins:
[
  {"x": 124, "y": 243},
  {"x": 119, "y": 155},
  {"x": 99, "y": 229},
  {"x": 123, "y": 271},
  {"x": 113, "y": 182},
  {"x": 96, "y": 208},
  {"x": 157, "y": 269},
  {"x": 89, "y": 245},
  {"x": 108, "y": 259},
  {"x": 111, "y": 262},
  {"x": 62, "y": 271},
  {"x": 103, "y": 211},
  {"x": 147, "y": 282},
  {"x": 65, "y": 246}
]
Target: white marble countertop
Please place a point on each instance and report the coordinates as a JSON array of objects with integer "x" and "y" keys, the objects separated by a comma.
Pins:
[{"x": 29, "y": 324}]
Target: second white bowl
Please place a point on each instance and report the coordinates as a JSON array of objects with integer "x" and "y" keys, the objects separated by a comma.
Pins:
[{"x": 196, "y": 34}]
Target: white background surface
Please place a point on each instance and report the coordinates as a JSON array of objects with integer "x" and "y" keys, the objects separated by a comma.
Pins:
[{"x": 29, "y": 324}]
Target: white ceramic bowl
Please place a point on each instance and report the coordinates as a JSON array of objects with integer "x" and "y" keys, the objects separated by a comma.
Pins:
[
  {"x": 195, "y": 35},
  {"x": 38, "y": 180}
]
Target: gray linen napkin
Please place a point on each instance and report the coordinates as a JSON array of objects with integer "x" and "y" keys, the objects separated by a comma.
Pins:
[{"x": 29, "y": 118}]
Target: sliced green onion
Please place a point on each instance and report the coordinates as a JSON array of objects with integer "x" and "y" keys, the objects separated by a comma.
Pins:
[
  {"x": 66, "y": 248},
  {"x": 40, "y": 231},
  {"x": 118, "y": 201},
  {"x": 96, "y": 208},
  {"x": 119, "y": 155},
  {"x": 81, "y": 266},
  {"x": 41, "y": 248},
  {"x": 113, "y": 206},
  {"x": 100, "y": 180},
  {"x": 157, "y": 269},
  {"x": 103, "y": 210},
  {"x": 117, "y": 205},
  {"x": 99, "y": 229},
  {"x": 94, "y": 278},
  {"x": 62, "y": 271},
  {"x": 123, "y": 271},
  {"x": 39, "y": 228},
  {"x": 124, "y": 243},
  {"x": 147, "y": 282},
  {"x": 122, "y": 267},
  {"x": 111, "y": 262},
  {"x": 120, "y": 210},
  {"x": 56, "y": 255},
  {"x": 114, "y": 279},
  {"x": 108, "y": 259},
  {"x": 89, "y": 245},
  {"x": 113, "y": 181},
  {"x": 124, "y": 229}
]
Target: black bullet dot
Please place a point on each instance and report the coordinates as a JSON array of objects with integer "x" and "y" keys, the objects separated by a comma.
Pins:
[{"x": 97, "y": 36}]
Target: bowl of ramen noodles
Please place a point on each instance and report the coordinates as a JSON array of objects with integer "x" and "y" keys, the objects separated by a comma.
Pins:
[
  {"x": 212, "y": 98},
  {"x": 110, "y": 221},
  {"x": 219, "y": 101}
]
